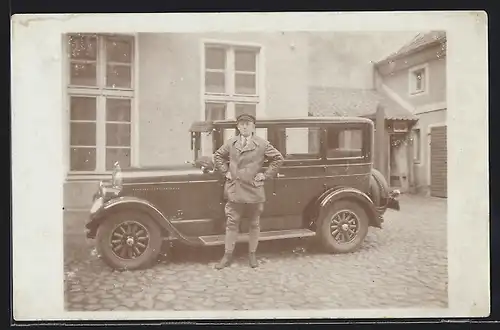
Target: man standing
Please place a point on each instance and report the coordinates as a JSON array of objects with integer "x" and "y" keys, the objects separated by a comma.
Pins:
[{"x": 241, "y": 159}]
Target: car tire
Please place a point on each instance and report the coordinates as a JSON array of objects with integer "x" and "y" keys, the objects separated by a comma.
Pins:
[
  {"x": 330, "y": 231},
  {"x": 140, "y": 244}
]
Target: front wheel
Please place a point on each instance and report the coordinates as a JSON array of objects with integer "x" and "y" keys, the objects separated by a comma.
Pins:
[
  {"x": 344, "y": 227},
  {"x": 129, "y": 240}
]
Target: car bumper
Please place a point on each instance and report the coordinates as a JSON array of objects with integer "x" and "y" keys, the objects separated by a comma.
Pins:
[
  {"x": 392, "y": 201},
  {"x": 393, "y": 204}
]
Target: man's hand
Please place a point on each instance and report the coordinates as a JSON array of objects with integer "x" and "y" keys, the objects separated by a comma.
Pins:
[
  {"x": 228, "y": 175},
  {"x": 260, "y": 177}
]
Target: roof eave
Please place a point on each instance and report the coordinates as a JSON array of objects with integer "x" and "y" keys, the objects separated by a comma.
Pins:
[
  {"x": 409, "y": 52},
  {"x": 405, "y": 118}
]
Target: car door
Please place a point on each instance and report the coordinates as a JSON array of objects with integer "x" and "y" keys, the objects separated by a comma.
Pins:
[{"x": 299, "y": 180}]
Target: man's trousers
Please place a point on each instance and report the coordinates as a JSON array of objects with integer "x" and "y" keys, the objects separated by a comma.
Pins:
[{"x": 234, "y": 213}]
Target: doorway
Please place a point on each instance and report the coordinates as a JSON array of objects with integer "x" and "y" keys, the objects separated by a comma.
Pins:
[{"x": 398, "y": 164}]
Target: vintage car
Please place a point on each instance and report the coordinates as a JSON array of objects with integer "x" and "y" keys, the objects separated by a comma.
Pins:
[{"x": 327, "y": 189}]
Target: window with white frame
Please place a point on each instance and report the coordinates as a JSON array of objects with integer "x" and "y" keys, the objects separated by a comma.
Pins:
[
  {"x": 100, "y": 97},
  {"x": 231, "y": 81},
  {"x": 418, "y": 80}
]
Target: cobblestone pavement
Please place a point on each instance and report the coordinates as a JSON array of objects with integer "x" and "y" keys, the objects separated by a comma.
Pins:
[{"x": 402, "y": 265}]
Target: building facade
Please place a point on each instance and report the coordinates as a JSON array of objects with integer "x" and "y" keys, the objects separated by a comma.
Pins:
[
  {"x": 132, "y": 98},
  {"x": 415, "y": 78},
  {"x": 342, "y": 83}
]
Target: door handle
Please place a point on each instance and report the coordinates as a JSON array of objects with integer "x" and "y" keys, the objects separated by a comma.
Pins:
[{"x": 279, "y": 175}]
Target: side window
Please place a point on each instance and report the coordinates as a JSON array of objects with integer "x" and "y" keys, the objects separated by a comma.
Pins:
[
  {"x": 300, "y": 143},
  {"x": 342, "y": 143}
]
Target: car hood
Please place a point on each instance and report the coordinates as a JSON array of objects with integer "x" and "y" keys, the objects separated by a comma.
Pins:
[{"x": 176, "y": 173}]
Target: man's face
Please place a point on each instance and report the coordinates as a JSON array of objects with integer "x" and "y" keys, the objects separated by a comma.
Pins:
[{"x": 246, "y": 128}]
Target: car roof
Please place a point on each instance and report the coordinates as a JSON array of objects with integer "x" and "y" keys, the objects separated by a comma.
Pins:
[{"x": 205, "y": 126}]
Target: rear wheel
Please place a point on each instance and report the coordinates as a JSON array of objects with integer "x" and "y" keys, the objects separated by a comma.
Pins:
[
  {"x": 129, "y": 241},
  {"x": 344, "y": 227}
]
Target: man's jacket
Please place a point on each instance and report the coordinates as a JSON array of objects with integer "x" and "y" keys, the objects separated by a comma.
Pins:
[{"x": 244, "y": 164}]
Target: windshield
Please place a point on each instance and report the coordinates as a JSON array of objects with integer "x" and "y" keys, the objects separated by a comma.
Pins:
[
  {"x": 206, "y": 144},
  {"x": 211, "y": 141}
]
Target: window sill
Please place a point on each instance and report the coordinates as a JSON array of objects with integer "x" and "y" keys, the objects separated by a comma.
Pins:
[{"x": 418, "y": 93}]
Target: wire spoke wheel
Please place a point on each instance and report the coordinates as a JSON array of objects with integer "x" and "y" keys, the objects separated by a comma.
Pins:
[
  {"x": 344, "y": 226},
  {"x": 129, "y": 240}
]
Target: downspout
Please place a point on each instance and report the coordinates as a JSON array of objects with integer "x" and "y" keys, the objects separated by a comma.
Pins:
[{"x": 380, "y": 148}]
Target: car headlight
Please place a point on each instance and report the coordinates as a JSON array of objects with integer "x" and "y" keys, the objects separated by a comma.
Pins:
[{"x": 117, "y": 176}]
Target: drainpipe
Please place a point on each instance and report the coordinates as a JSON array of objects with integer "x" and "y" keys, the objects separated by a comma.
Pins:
[{"x": 380, "y": 147}]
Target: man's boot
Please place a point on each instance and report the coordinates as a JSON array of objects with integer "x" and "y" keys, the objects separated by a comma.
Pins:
[
  {"x": 226, "y": 261},
  {"x": 252, "y": 259}
]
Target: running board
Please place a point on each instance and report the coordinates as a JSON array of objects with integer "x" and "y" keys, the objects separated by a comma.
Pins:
[{"x": 264, "y": 236}]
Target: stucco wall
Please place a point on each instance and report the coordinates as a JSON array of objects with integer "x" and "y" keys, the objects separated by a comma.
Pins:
[
  {"x": 396, "y": 76},
  {"x": 345, "y": 59},
  {"x": 170, "y": 86},
  {"x": 169, "y": 89},
  {"x": 421, "y": 170}
]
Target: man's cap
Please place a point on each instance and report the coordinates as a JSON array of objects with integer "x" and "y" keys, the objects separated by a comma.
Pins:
[{"x": 245, "y": 117}]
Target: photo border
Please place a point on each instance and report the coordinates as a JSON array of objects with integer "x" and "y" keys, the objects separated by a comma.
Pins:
[{"x": 37, "y": 133}]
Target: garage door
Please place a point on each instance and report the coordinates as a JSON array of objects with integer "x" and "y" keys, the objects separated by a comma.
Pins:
[{"x": 439, "y": 162}]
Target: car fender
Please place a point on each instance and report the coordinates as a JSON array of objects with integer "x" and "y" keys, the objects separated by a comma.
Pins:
[
  {"x": 133, "y": 203},
  {"x": 342, "y": 193}
]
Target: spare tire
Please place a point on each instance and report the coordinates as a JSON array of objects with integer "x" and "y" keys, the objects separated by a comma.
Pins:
[
  {"x": 379, "y": 190},
  {"x": 374, "y": 191}
]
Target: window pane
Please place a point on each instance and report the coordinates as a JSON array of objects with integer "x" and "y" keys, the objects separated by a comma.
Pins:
[
  {"x": 245, "y": 109},
  {"x": 83, "y": 74},
  {"x": 297, "y": 143},
  {"x": 419, "y": 81},
  {"x": 118, "y": 135},
  {"x": 83, "y": 134},
  {"x": 344, "y": 143},
  {"x": 82, "y": 159},
  {"x": 83, "y": 47},
  {"x": 83, "y": 108},
  {"x": 119, "y": 50},
  {"x": 215, "y": 111},
  {"x": 245, "y": 84},
  {"x": 118, "y": 76},
  {"x": 262, "y": 132},
  {"x": 245, "y": 60},
  {"x": 215, "y": 58},
  {"x": 118, "y": 110},
  {"x": 121, "y": 155},
  {"x": 314, "y": 141},
  {"x": 215, "y": 82}
]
